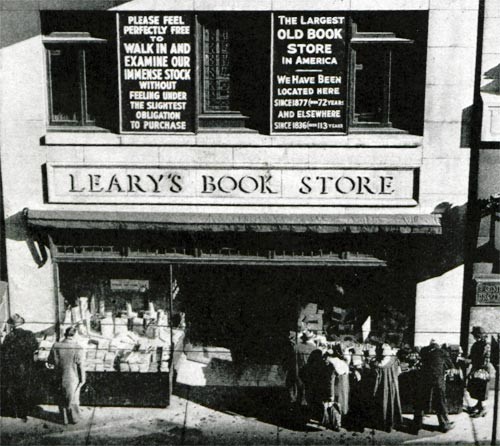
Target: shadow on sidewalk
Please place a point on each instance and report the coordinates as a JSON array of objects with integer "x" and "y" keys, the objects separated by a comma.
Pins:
[
  {"x": 46, "y": 415},
  {"x": 265, "y": 404}
]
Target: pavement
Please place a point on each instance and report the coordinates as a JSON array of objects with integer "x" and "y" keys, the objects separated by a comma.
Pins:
[{"x": 220, "y": 415}]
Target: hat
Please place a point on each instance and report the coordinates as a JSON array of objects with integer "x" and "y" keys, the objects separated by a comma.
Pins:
[
  {"x": 478, "y": 331},
  {"x": 15, "y": 320},
  {"x": 70, "y": 331},
  {"x": 433, "y": 343}
]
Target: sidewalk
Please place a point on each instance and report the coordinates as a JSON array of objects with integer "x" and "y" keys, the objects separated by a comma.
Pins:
[{"x": 187, "y": 423}]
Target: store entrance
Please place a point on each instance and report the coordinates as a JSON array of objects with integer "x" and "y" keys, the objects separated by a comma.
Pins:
[{"x": 247, "y": 314}]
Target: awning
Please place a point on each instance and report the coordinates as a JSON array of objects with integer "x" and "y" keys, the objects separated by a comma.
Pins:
[{"x": 264, "y": 222}]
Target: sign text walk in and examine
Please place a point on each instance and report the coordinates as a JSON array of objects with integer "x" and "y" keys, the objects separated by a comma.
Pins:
[{"x": 156, "y": 72}]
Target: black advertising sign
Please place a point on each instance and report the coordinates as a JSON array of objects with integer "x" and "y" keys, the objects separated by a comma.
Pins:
[
  {"x": 156, "y": 53},
  {"x": 309, "y": 73}
]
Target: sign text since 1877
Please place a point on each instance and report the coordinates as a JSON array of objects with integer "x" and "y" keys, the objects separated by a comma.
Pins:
[{"x": 309, "y": 73}]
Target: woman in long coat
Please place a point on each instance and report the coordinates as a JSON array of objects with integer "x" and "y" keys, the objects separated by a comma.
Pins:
[
  {"x": 479, "y": 359},
  {"x": 68, "y": 358},
  {"x": 387, "y": 408},
  {"x": 336, "y": 403}
]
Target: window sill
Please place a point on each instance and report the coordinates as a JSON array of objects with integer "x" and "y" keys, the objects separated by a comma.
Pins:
[{"x": 234, "y": 138}]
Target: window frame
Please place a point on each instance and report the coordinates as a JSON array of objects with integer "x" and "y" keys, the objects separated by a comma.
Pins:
[
  {"x": 386, "y": 42},
  {"x": 81, "y": 43},
  {"x": 230, "y": 120}
]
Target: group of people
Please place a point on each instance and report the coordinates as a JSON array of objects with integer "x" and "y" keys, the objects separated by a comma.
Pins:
[
  {"x": 19, "y": 372},
  {"x": 326, "y": 382}
]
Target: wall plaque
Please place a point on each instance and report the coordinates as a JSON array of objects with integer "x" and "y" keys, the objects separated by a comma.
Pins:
[
  {"x": 156, "y": 56},
  {"x": 174, "y": 184},
  {"x": 309, "y": 80},
  {"x": 487, "y": 289}
]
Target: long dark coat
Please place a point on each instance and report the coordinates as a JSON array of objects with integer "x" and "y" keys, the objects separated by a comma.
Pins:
[
  {"x": 431, "y": 386},
  {"x": 480, "y": 358},
  {"x": 18, "y": 368},
  {"x": 387, "y": 403}
]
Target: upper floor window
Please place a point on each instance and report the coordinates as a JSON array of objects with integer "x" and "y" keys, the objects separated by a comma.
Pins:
[
  {"x": 371, "y": 60},
  {"x": 75, "y": 89},
  {"x": 226, "y": 83},
  {"x": 80, "y": 69},
  {"x": 234, "y": 53}
]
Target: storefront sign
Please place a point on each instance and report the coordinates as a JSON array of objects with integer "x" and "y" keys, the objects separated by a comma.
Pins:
[
  {"x": 488, "y": 289},
  {"x": 309, "y": 73},
  {"x": 156, "y": 72},
  {"x": 129, "y": 285},
  {"x": 198, "y": 185}
]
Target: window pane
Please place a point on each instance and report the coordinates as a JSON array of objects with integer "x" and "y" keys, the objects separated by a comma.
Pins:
[
  {"x": 65, "y": 86},
  {"x": 101, "y": 85},
  {"x": 369, "y": 94},
  {"x": 94, "y": 84},
  {"x": 216, "y": 72}
]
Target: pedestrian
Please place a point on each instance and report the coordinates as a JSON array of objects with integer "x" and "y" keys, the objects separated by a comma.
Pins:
[
  {"x": 478, "y": 376},
  {"x": 295, "y": 363},
  {"x": 18, "y": 367},
  {"x": 68, "y": 358},
  {"x": 387, "y": 404},
  {"x": 434, "y": 361},
  {"x": 316, "y": 377},
  {"x": 336, "y": 389}
]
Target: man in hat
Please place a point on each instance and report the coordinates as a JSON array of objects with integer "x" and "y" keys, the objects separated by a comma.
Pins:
[
  {"x": 432, "y": 387},
  {"x": 68, "y": 358},
  {"x": 18, "y": 363}
]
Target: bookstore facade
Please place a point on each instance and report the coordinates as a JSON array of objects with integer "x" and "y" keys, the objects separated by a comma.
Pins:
[{"x": 227, "y": 170}]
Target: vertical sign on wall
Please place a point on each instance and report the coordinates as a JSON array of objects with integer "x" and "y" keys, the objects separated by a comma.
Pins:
[
  {"x": 309, "y": 73},
  {"x": 156, "y": 52}
]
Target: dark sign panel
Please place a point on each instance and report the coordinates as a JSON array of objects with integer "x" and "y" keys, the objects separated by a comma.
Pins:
[
  {"x": 488, "y": 291},
  {"x": 156, "y": 72},
  {"x": 309, "y": 73}
]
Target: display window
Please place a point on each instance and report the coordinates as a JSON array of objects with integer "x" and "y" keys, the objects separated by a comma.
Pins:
[{"x": 125, "y": 314}]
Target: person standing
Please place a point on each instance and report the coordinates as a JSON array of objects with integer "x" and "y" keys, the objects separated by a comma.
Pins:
[
  {"x": 296, "y": 359},
  {"x": 479, "y": 359},
  {"x": 68, "y": 358},
  {"x": 432, "y": 387},
  {"x": 387, "y": 404},
  {"x": 336, "y": 390},
  {"x": 18, "y": 367}
]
